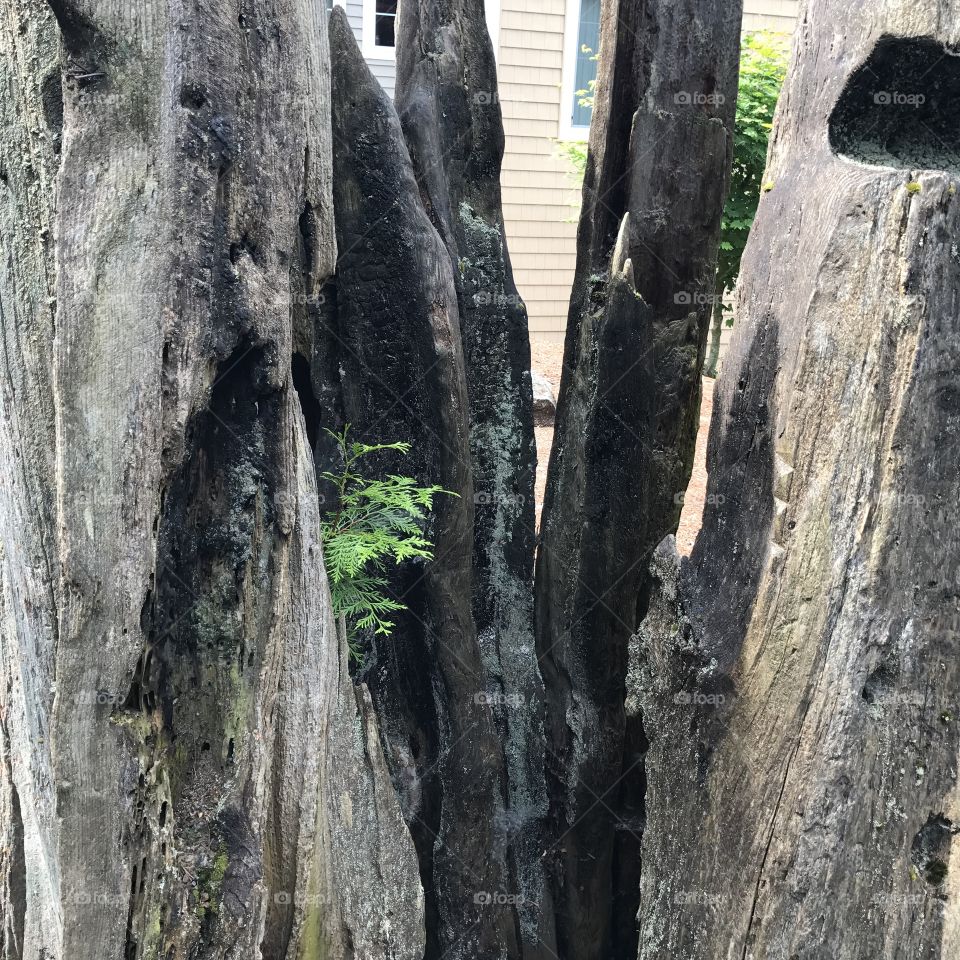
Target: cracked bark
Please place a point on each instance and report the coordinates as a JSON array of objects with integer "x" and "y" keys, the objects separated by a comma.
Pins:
[
  {"x": 178, "y": 724},
  {"x": 660, "y": 148},
  {"x": 449, "y": 107},
  {"x": 766, "y": 766},
  {"x": 798, "y": 676},
  {"x": 401, "y": 376}
]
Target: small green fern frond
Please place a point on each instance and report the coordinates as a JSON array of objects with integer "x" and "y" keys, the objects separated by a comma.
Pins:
[{"x": 377, "y": 523}]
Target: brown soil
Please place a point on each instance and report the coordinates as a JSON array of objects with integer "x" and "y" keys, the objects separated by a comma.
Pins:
[{"x": 548, "y": 359}]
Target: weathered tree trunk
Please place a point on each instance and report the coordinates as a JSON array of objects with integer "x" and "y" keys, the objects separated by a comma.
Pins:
[
  {"x": 182, "y": 750},
  {"x": 448, "y": 101},
  {"x": 30, "y": 115},
  {"x": 659, "y": 156},
  {"x": 403, "y": 378},
  {"x": 798, "y": 678}
]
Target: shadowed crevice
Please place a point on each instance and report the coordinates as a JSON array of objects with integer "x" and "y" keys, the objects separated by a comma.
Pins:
[
  {"x": 312, "y": 411},
  {"x": 17, "y": 894},
  {"x": 930, "y": 850},
  {"x": 901, "y": 108}
]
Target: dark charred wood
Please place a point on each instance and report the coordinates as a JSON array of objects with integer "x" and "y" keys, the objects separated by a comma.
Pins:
[
  {"x": 404, "y": 379},
  {"x": 627, "y": 415},
  {"x": 449, "y": 108}
]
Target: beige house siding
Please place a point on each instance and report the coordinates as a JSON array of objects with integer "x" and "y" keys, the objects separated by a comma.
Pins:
[
  {"x": 770, "y": 15},
  {"x": 539, "y": 197}
]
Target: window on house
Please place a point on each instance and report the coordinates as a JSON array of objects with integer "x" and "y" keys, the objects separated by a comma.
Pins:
[
  {"x": 378, "y": 26},
  {"x": 581, "y": 46},
  {"x": 385, "y": 20}
]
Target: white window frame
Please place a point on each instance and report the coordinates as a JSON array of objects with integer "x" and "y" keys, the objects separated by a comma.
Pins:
[
  {"x": 568, "y": 86},
  {"x": 372, "y": 51},
  {"x": 492, "y": 10}
]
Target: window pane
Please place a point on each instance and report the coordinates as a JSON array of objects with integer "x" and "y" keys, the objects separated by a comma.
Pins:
[
  {"x": 588, "y": 44},
  {"x": 385, "y": 23}
]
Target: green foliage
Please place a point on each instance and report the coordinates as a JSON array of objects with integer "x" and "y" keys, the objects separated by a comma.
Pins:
[
  {"x": 575, "y": 151},
  {"x": 376, "y": 523},
  {"x": 587, "y": 97},
  {"x": 763, "y": 66}
]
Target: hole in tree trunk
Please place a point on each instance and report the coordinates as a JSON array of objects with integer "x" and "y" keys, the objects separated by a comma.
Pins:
[
  {"x": 901, "y": 108},
  {"x": 302, "y": 383},
  {"x": 930, "y": 850}
]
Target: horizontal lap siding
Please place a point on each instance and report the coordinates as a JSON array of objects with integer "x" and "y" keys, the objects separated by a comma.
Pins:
[
  {"x": 355, "y": 16},
  {"x": 386, "y": 73},
  {"x": 540, "y": 199},
  {"x": 770, "y": 15}
]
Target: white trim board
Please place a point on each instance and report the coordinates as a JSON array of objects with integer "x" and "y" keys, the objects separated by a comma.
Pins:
[
  {"x": 371, "y": 51},
  {"x": 492, "y": 10},
  {"x": 568, "y": 86},
  {"x": 368, "y": 34}
]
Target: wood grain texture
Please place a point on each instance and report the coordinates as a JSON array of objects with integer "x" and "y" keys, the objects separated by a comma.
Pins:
[
  {"x": 798, "y": 676},
  {"x": 30, "y": 122},
  {"x": 448, "y": 100},
  {"x": 400, "y": 367},
  {"x": 177, "y": 722},
  {"x": 659, "y": 155}
]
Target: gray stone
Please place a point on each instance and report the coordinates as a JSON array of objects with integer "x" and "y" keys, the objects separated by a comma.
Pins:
[{"x": 544, "y": 402}]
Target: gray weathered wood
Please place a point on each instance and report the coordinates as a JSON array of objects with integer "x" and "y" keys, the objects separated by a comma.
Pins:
[
  {"x": 29, "y": 144},
  {"x": 798, "y": 677},
  {"x": 660, "y": 149},
  {"x": 182, "y": 749}
]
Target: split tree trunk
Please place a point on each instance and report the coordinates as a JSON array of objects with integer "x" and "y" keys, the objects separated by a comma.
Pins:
[
  {"x": 627, "y": 417},
  {"x": 402, "y": 377},
  {"x": 798, "y": 677},
  {"x": 186, "y": 771},
  {"x": 447, "y": 97}
]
